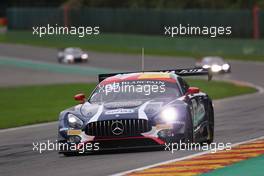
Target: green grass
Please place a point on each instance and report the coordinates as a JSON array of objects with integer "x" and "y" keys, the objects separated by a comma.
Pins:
[
  {"x": 241, "y": 49},
  {"x": 35, "y": 104},
  {"x": 220, "y": 89}
]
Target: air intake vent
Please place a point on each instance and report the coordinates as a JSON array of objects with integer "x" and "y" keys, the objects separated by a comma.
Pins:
[{"x": 124, "y": 127}]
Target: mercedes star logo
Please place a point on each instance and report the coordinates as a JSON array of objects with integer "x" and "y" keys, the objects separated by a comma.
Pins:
[{"x": 117, "y": 128}]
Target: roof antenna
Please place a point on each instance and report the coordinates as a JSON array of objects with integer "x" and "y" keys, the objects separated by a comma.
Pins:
[{"x": 142, "y": 60}]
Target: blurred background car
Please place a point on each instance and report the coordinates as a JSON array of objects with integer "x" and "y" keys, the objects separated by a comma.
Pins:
[
  {"x": 72, "y": 55},
  {"x": 215, "y": 63}
]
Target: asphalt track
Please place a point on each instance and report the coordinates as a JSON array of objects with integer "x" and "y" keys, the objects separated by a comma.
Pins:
[{"x": 236, "y": 119}]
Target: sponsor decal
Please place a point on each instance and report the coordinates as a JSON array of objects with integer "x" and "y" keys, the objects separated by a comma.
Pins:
[
  {"x": 119, "y": 111},
  {"x": 74, "y": 132}
]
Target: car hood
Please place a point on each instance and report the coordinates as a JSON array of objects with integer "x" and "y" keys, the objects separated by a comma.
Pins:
[{"x": 139, "y": 109}]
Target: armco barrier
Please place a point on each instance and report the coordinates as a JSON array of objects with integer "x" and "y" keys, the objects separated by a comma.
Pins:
[
  {"x": 138, "y": 21},
  {"x": 261, "y": 24}
]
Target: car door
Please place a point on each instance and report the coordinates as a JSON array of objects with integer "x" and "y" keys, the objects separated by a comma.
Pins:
[{"x": 196, "y": 103}]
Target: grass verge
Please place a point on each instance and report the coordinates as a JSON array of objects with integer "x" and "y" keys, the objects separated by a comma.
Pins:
[
  {"x": 240, "y": 49},
  {"x": 36, "y": 104}
]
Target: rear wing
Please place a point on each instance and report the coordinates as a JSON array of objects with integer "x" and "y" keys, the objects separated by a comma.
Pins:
[{"x": 180, "y": 72}]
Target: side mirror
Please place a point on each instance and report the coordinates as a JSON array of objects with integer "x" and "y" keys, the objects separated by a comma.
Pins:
[
  {"x": 193, "y": 90},
  {"x": 80, "y": 97}
]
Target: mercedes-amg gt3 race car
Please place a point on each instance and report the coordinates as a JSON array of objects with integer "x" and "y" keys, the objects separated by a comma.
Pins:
[
  {"x": 72, "y": 55},
  {"x": 142, "y": 109},
  {"x": 215, "y": 63}
]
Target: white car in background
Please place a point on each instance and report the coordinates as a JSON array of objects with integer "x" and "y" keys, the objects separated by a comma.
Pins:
[
  {"x": 215, "y": 63},
  {"x": 72, "y": 55}
]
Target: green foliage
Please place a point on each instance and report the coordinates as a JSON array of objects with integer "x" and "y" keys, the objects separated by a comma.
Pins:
[
  {"x": 183, "y": 4},
  {"x": 179, "y": 4}
]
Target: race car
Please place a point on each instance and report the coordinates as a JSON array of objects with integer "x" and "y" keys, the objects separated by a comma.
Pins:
[
  {"x": 215, "y": 63},
  {"x": 138, "y": 110},
  {"x": 72, "y": 55}
]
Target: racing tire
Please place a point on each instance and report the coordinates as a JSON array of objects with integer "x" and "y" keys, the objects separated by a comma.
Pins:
[{"x": 69, "y": 154}]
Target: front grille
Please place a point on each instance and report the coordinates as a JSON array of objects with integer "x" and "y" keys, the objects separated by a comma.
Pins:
[
  {"x": 78, "y": 59},
  {"x": 131, "y": 127}
]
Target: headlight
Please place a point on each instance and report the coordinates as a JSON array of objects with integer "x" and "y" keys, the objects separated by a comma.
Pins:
[
  {"x": 69, "y": 57},
  {"x": 216, "y": 68},
  {"x": 226, "y": 67},
  {"x": 74, "y": 121},
  {"x": 84, "y": 56},
  {"x": 169, "y": 114},
  {"x": 206, "y": 66}
]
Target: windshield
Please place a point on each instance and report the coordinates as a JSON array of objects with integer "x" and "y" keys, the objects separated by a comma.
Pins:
[
  {"x": 73, "y": 51},
  {"x": 134, "y": 90},
  {"x": 213, "y": 60}
]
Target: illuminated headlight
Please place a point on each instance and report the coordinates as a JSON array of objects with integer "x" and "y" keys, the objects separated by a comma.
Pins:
[
  {"x": 74, "y": 121},
  {"x": 69, "y": 57},
  {"x": 216, "y": 68},
  {"x": 84, "y": 56},
  {"x": 169, "y": 114},
  {"x": 226, "y": 67},
  {"x": 206, "y": 66}
]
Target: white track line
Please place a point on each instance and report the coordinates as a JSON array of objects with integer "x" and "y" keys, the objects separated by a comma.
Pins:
[
  {"x": 28, "y": 126},
  {"x": 182, "y": 158}
]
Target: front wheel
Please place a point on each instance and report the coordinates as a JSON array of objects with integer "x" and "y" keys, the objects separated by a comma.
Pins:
[
  {"x": 68, "y": 154},
  {"x": 60, "y": 59}
]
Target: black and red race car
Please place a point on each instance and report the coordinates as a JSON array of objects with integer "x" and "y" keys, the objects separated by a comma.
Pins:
[{"x": 140, "y": 109}]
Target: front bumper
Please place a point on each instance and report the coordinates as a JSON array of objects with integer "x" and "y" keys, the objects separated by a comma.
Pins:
[
  {"x": 156, "y": 137},
  {"x": 96, "y": 145}
]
